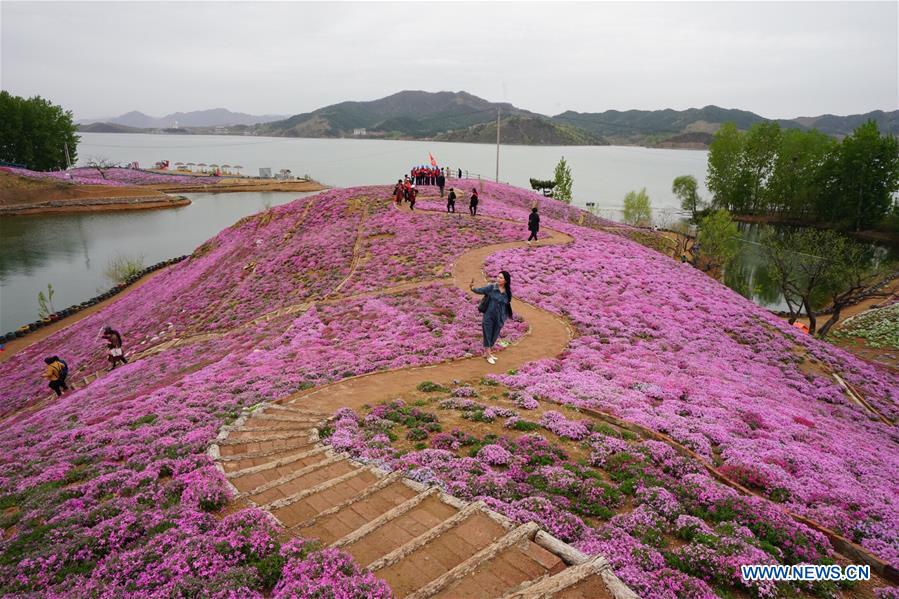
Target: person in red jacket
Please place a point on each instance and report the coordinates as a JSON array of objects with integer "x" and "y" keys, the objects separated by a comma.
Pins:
[{"x": 398, "y": 192}]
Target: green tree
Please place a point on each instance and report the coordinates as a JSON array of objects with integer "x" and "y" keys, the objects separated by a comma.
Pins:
[
  {"x": 637, "y": 208},
  {"x": 760, "y": 147},
  {"x": 563, "y": 182},
  {"x": 818, "y": 268},
  {"x": 685, "y": 189},
  {"x": 859, "y": 178},
  {"x": 795, "y": 184},
  {"x": 35, "y": 133},
  {"x": 718, "y": 240},
  {"x": 725, "y": 178}
]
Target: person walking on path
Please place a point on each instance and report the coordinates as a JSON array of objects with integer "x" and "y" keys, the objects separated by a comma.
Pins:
[
  {"x": 533, "y": 224},
  {"x": 56, "y": 373},
  {"x": 413, "y": 192},
  {"x": 441, "y": 182},
  {"x": 460, "y": 173},
  {"x": 451, "y": 201},
  {"x": 496, "y": 306},
  {"x": 473, "y": 202},
  {"x": 114, "y": 344}
]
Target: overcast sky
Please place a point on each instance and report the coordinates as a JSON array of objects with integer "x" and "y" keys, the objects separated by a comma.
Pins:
[{"x": 780, "y": 60}]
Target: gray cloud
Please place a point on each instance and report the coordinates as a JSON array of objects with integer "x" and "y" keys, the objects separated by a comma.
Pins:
[{"x": 777, "y": 59}]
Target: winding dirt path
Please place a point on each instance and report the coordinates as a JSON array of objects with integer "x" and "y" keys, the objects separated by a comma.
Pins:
[{"x": 547, "y": 336}]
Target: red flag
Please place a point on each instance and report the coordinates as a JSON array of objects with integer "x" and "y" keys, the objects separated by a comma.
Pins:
[{"x": 433, "y": 161}]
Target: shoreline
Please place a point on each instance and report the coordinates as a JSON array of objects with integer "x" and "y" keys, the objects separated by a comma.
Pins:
[
  {"x": 111, "y": 204},
  {"x": 14, "y": 346}
]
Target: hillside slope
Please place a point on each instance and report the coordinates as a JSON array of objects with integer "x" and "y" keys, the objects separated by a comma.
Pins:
[{"x": 110, "y": 488}]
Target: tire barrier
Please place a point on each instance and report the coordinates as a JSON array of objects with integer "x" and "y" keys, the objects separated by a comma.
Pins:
[{"x": 73, "y": 309}]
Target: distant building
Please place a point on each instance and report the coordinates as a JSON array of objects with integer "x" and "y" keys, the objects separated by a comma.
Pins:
[
  {"x": 265, "y": 173},
  {"x": 358, "y": 132}
]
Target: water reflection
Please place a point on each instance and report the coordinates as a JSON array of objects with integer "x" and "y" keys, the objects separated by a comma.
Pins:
[{"x": 749, "y": 276}]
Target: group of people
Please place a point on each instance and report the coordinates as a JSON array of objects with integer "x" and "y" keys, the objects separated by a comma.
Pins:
[
  {"x": 405, "y": 191},
  {"x": 58, "y": 371},
  {"x": 428, "y": 175}
]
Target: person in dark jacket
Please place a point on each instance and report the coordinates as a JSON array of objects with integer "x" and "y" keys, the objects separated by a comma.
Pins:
[
  {"x": 460, "y": 173},
  {"x": 498, "y": 299},
  {"x": 116, "y": 353},
  {"x": 473, "y": 202},
  {"x": 533, "y": 224},
  {"x": 441, "y": 182},
  {"x": 413, "y": 193},
  {"x": 451, "y": 201},
  {"x": 56, "y": 373}
]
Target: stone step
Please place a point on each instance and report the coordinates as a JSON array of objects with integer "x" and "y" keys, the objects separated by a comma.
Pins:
[
  {"x": 311, "y": 506},
  {"x": 337, "y": 521},
  {"x": 244, "y": 449},
  {"x": 384, "y": 518},
  {"x": 265, "y": 416},
  {"x": 295, "y": 478},
  {"x": 550, "y": 586},
  {"x": 276, "y": 407},
  {"x": 476, "y": 561},
  {"x": 280, "y": 426},
  {"x": 240, "y": 456},
  {"x": 403, "y": 528},
  {"x": 425, "y": 559},
  {"x": 278, "y": 462},
  {"x": 238, "y": 462},
  {"x": 289, "y": 500},
  {"x": 241, "y": 438},
  {"x": 508, "y": 570}
]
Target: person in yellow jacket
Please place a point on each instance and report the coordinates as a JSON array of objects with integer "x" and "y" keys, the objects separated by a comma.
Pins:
[{"x": 56, "y": 373}]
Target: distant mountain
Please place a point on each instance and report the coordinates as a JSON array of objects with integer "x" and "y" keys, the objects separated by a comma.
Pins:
[
  {"x": 460, "y": 116},
  {"x": 671, "y": 127},
  {"x": 844, "y": 125},
  {"x": 530, "y": 131},
  {"x": 213, "y": 117},
  {"x": 108, "y": 128},
  {"x": 405, "y": 114}
]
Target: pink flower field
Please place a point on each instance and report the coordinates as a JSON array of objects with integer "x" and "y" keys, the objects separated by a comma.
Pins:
[{"x": 109, "y": 492}]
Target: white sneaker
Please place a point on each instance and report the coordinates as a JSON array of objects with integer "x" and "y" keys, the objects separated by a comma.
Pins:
[{"x": 492, "y": 360}]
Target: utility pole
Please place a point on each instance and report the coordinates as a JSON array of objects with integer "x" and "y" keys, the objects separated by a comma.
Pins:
[{"x": 497, "y": 144}]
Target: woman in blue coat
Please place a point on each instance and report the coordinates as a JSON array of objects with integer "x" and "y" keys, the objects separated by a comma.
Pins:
[{"x": 497, "y": 308}]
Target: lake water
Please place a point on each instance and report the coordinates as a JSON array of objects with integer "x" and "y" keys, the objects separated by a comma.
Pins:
[
  {"x": 71, "y": 251},
  {"x": 602, "y": 174}
]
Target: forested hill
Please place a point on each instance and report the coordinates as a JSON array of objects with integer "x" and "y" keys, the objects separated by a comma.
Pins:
[
  {"x": 404, "y": 114},
  {"x": 461, "y": 116}
]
